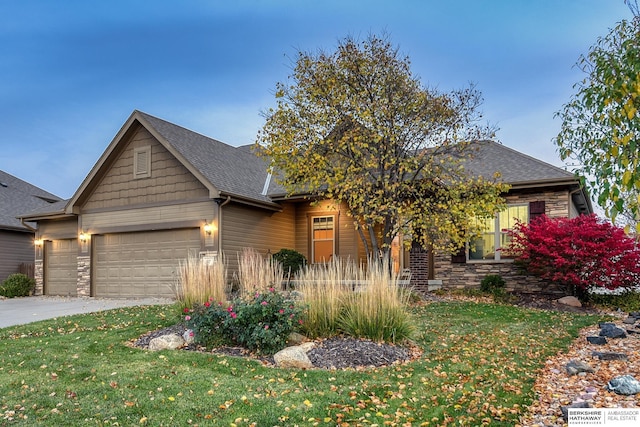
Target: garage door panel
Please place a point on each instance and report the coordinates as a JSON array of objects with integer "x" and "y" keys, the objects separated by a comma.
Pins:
[{"x": 141, "y": 264}]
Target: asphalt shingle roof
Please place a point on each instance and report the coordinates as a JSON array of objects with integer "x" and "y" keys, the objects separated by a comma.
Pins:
[
  {"x": 515, "y": 167},
  {"x": 233, "y": 170},
  {"x": 18, "y": 197}
]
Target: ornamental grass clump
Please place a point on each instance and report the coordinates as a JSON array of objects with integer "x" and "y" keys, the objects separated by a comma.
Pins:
[
  {"x": 257, "y": 273},
  {"x": 201, "y": 280},
  {"x": 323, "y": 289},
  {"x": 379, "y": 310},
  {"x": 261, "y": 323}
]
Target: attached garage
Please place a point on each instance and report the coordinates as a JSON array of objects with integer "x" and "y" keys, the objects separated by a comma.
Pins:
[
  {"x": 61, "y": 268},
  {"x": 140, "y": 264}
]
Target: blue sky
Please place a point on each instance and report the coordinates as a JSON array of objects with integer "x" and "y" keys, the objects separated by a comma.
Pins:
[{"x": 72, "y": 71}]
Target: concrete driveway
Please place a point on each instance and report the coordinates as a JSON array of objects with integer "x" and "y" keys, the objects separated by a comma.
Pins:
[{"x": 18, "y": 311}]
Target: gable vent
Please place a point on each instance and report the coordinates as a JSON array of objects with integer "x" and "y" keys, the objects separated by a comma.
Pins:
[{"x": 142, "y": 162}]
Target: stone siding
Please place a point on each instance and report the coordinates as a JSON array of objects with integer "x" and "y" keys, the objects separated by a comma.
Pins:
[
  {"x": 470, "y": 274},
  {"x": 38, "y": 273},
  {"x": 84, "y": 276}
]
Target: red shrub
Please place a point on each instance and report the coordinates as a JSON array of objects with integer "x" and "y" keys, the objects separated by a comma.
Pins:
[{"x": 581, "y": 252}]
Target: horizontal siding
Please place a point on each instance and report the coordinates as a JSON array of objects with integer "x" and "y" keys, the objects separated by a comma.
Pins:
[
  {"x": 15, "y": 248},
  {"x": 245, "y": 227},
  {"x": 175, "y": 213},
  {"x": 59, "y": 229},
  {"x": 348, "y": 238},
  {"x": 169, "y": 181}
]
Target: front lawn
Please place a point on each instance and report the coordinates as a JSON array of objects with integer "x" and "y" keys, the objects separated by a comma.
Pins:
[{"x": 478, "y": 367}]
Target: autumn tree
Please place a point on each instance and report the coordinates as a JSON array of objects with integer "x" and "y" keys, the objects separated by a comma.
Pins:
[
  {"x": 356, "y": 126},
  {"x": 601, "y": 122}
]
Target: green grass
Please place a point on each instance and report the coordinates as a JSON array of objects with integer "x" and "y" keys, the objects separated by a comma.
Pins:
[{"x": 478, "y": 366}]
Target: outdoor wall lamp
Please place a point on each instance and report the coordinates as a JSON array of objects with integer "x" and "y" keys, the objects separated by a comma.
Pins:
[
  {"x": 83, "y": 237},
  {"x": 208, "y": 228},
  {"x": 38, "y": 242}
]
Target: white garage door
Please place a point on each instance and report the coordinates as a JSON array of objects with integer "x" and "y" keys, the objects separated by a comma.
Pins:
[
  {"x": 61, "y": 267},
  {"x": 141, "y": 264}
]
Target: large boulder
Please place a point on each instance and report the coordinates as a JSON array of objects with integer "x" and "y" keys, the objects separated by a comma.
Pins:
[
  {"x": 570, "y": 301},
  {"x": 293, "y": 357},
  {"x": 166, "y": 342},
  {"x": 576, "y": 366},
  {"x": 624, "y": 384},
  {"x": 610, "y": 330}
]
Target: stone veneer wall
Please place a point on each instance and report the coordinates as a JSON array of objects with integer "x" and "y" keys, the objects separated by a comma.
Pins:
[
  {"x": 469, "y": 275},
  {"x": 38, "y": 273},
  {"x": 84, "y": 276}
]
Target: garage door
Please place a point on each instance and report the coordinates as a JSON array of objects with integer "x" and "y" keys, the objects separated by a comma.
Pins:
[
  {"x": 61, "y": 267},
  {"x": 140, "y": 264}
]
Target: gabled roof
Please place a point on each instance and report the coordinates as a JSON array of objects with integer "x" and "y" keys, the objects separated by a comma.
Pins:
[
  {"x": 18, "y": 197},
  {"x": 521, "y": 171},
  {"x": 227, "y": 171}
]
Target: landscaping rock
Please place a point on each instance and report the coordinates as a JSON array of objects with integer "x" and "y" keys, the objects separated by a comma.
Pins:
[
  {"x": 166, "y": 342},
  {"x": 635, "y": 314},
  {"x": 597, "y": 340},
  {"x": 610, "y": 330},
  {"x": 295, "y": 338},
  {"x": 609, "y": 356},
  {"x": 576, "y": 366},
  {"x": 293, "y": 357},
  {"x": 629, "y": 320},
  {"x": 570, "y": 301},
  {"x": 626, "y": 385}
]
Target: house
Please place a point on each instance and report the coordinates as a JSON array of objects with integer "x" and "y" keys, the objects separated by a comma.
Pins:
[
  {"x": 16, "y": 237},
  {"x": 161, "y": 193}
]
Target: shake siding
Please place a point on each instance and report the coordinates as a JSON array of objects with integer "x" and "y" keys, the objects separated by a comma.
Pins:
[
  {"x": 169, "y": 214},
  {"x": 247, "y": 227},
  {"x": 15, "y": 248},
  {"x": 170, "y": 181}
]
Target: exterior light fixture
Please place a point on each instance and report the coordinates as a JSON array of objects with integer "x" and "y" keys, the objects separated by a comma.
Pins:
[
  {"x": 83, "y": 237},
  {"x": 208, "y": 228},
  {"x": 38, "y": 242}
]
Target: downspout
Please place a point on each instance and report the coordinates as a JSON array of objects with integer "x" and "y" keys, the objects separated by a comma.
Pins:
[
  {"x": 220, "y": 205},
  {"x": 27, "y": 225}
]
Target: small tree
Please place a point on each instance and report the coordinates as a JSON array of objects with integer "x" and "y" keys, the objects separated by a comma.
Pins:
[
  {"x": 358, "y": 127},
  {"x": 580, "y": 252},
  {"x": 601, "y": 122}
]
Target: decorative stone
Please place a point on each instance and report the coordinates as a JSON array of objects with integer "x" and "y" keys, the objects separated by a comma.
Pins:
[
  {"x": 609, "y": 356},
  {"x": 570, "y": 301},
  {"x": 306, "y": 346},
  {"x": 625, "y": 384},
  {"x": 166, "y": 342},
  {"x": 293, "y": 357},
  {"x": 188, "y": 337},
  {"x": 610, "y": 330},
  {"x": 295, "y": 338},
  {"x": 576, "y": 366},
  {"x": 597, "y": 340},
  {"x": 635, "y": 314},
  {"x": 629, "y": 320}
]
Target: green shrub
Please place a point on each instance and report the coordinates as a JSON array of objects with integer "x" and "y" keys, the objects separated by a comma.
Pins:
[
  {"x": 261, "y": 323},
  {"x": 292, "y": 261},
  {"x": 625, "y": 301},
  {"x": 492, "y": 284},
  {"x": 17, "y": 285}
]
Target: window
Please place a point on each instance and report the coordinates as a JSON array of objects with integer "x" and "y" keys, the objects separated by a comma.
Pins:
[
  {"x": 323, "y": 242},
  {"x": 495, "y": 234},
  {"x": 142, "y": 162}
]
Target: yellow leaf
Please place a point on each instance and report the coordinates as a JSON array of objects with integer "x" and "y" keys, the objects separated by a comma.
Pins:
[{"x": 307, "y": 403}]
